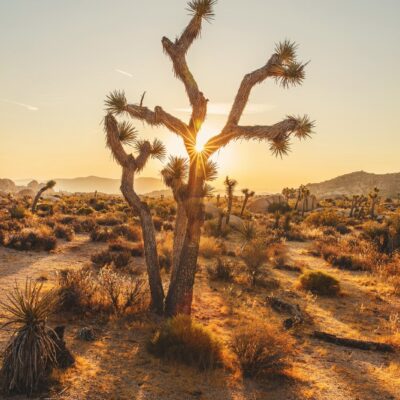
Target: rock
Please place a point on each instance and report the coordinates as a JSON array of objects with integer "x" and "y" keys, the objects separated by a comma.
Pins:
[{"x": 261, "y": 204}]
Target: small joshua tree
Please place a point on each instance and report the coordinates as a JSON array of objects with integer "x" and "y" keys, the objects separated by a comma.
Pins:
[
  {"x": 374, "y": 201},
  {"x": 356, "y": 202},
  {"x": 305, "y": 197},
  {"x": 282, "y": 66},
  {"x": 230, "y": 185},
  {"x": 300, "y": 192},
  {"x": 247, "y": 194},
  {"x": 47, "y": 186},
  {"x": 118, "y": 135}
]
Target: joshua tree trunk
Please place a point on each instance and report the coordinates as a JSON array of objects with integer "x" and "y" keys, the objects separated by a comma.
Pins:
[
  {"x": 37, "y": 198},
  {"x": 229, "y": 210},
  {"x": 246, "y": 198},
  {"x": 149, "y": 240},
  {"x": 180, "y": 293},
  {"x": 179, "y": 235}
]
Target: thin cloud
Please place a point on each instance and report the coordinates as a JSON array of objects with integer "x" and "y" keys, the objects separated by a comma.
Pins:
[
  {"x": 120, "y": 71},
  {"x": 225, "y": 108},
  {"x": 17, "y": 103}
]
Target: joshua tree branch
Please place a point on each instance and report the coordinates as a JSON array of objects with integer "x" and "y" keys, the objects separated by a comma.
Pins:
[
  {"x": 113, "y": 142},
  {"x": 278, "y": 131},
  {"x": 177, "y": 52},
  {"x": 243, "y": 94}
]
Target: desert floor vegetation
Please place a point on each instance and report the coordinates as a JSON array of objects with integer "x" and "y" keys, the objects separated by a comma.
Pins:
[{"x": 260, "y": 304}]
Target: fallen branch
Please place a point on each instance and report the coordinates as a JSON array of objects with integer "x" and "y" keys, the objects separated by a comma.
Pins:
[
  {"x": 281, "y": 306},
  {"x": 354, "y": 343}
]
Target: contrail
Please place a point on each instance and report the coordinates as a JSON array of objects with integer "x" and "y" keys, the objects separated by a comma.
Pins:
[
  {"x": 27, "y": 106},
  {"x": 120, "y": 71}
]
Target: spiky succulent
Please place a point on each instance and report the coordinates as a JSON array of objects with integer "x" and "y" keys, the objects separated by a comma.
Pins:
[
  {"x": 303, "y": 126},
  {"x": 116, "y": 102},
  {"x": 127, "y": 134},
  {"x": 202, "y": 8},
  {"x": 286, "y": 51},
  {"x": 175, "y": 172},
  {"x": 280, "y": 146}
]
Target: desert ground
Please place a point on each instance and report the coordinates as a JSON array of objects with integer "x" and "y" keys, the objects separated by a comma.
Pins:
[{"x": 117, "y": 363}]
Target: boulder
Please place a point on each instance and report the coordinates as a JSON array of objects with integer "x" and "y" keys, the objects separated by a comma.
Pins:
[{"x": 261, "y": 204}]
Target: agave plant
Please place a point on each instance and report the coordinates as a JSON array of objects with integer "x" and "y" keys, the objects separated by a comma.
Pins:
[{"x": 32, "y": 350}]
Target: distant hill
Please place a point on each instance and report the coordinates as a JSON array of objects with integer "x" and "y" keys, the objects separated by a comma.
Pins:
[
  {"x": 359, "y": 182},
  {"x": 105, "y": 185}
]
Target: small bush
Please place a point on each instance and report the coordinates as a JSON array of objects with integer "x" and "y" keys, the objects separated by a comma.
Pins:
[
  {"x": 324, "y": 218},
  {"x": 209, "y": 248},
  {"x": 282, "y": 208},
  {"x": 105, "y": 257},
  {"x": 221, "y": 271},
  {"x": 17, "y": 212},
  {"x": 85, "y": 211},
  {"x": 263, "y": 350},
  {"x": 100, "y": 234},
  {"x": 320, "y": 283},
  {"x": 158, "y": 223},
  {"x": 183, "y": 340},
  {"x": 130, "y": 232},
  {"x": 64, "y": 232},
  {"x": 254, "y": 256},
  {"x": 33, "y": 239}
]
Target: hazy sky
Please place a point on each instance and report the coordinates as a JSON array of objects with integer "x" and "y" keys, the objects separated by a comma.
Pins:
[{"x": 60, "y": 58}]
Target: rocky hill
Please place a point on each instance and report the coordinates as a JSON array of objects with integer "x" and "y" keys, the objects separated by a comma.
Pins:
[{"x": 359, "y": 182}]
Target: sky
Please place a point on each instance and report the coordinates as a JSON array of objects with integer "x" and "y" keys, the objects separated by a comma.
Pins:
[{"x": 60, "y": 58}]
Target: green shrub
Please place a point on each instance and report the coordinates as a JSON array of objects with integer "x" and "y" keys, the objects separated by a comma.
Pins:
[
  {"x": 64, "y": 232},
  {"x": 320, "y": 283},
  {"x": 183, "y": 340},
  {"x": 221, "y": 271},
  {"x": 33, "y": 239},
  {"x": 17, "y": 212},
  {"x": 282, "y": 208}
]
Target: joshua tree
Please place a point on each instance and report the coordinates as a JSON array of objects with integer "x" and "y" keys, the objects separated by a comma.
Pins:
[
  {"x": 247, "y": 194},
  {"x": 230, "y": 185},
  {"x": 282, "y": 66},
  {"x": 218, "y": 197},
  {"x": 356, "y": 202},
  {"x": 288, "y": 193},
  {"x": 47, "y": 186},
  {"x": 118, "y": 135},
  {"x": 175, "y": 175},
  {"x": 305, "y": 196},
  {"x": 374, "y": 201},
  {"x": 300, "y": 193}
]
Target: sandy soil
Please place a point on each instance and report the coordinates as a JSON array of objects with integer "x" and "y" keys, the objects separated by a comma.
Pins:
[{"x": 117, "y": 366}]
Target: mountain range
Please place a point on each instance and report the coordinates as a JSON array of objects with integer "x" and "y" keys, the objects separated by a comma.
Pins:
[{"x": 359, "y": 182}]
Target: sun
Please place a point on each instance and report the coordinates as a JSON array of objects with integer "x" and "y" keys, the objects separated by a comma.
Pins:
[{"x": 199, "y": 146}]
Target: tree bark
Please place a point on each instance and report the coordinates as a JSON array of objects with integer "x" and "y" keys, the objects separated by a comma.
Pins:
[
  {"x": 180, "y": 293},
  {"x": 149, "y": 239},
  {"x": 229, "y": 210},
  {"x": 37, "y": 198},
  {"x": 246, "y": 198},
  {"x": 179, "y": 236}
]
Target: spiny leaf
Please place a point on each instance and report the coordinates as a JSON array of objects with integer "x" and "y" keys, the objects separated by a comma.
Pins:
[
  {"x": 127, "y": 133},
  {"x": 280, "y": 146},
  {"x": 286, "y": 51},
  {"x": 116, "y": 102},
  {"x": 158, "y": 150},
  {"x": 202, "y": 8},
  {"x": 303, "y": 126}
]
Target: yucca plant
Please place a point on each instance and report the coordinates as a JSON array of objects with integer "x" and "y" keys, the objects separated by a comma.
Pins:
[
  {"x": 47, "y": 186},
  {"x": 247, "y": 194},
  {"x": 230, "y": 185},
  {"x": 32, "y": 350}
]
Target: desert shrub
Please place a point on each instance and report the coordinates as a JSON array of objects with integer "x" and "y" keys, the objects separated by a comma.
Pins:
[
  {"x": 324, "y": 218},
  {"x": 105, "y": 257},
  {"x": 64, "y": 232},
  {"x": 254, "y": 256},
  {"x": 130, "y": 232},
  {"x": 320, "y": 283},
  {"x": 168, "y": 227},
  {"x": 279, "y": 254},
  {"x": 85, "y": 211},
  {"x": 18, "y": 212},
  {"x": 109, "y": 220},
  {"x": 183, "y": 340},
  {"x": 214, "y": 228},
  {"x": 263, "y": 350},
  {"x": 98, "y": 205},
  {"x": 37, "y": 239},
  {"x": 31, "y": 352},
  {"x": 85, "y": 291},
  {"x": 342, "y": 229},
  {"x": 221, "y": 271},
  {"x": 282, "y": 208},
  {"x": 102, "y": 234},
  {"x": 209, "y": 248}
]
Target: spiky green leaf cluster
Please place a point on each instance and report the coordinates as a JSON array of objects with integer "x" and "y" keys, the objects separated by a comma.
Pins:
[
  {"x": 127, "y": 134},
  {"x": 280, "y": 146},
  {"x": 175, "y": 172},
  {"x": 116, "y": 102},
  {"x": 158, "y": 150},
  {"x": 286, "y": 51},
  {"x": 50, "y": 184},
  {"x": 303, "y": 126},
  {"x": 210, "y": 170},
  {"x": 202, "y": 8}
]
